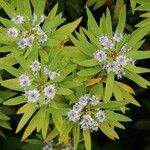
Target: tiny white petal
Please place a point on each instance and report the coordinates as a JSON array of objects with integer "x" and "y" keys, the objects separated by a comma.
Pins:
[
  {"x": 35, "y": 66},
  {"x": 13, "y": 32},
  {"x": 100, "y": 115}
]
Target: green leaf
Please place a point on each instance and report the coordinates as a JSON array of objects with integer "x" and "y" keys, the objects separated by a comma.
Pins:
[
  {"x": 66, "y": 71},
  {"x": 109, "y": 24},
  {"x": 86, "y": 63},
  {"x": 137, "y": 79},
  {"x": 108, "y": 131},
  {"x": 58, "y": 111},
  {"x": 65, "y": 31},
  {"x": 15, "y": 101},
  {"x": 137, "y": 35},
  {"x": 8, "y": 8},
  {"x": 76, "y": 136},
  {"x": 87, "y": 139},
  {"x": 25, "y": 118},
  {"x": 130, "y": 98},
  {"x": 41, "y": 118},
  {"x": 144, "y": 7},
  {"x": 65, "y": 129},
  {"x": 115, "y": 116},
  {"x": 12, "y": 84},
  {"x": 63, "y": 91},
  {"x": 39, "y": 8},
  {"x": 89, "y": 71},
  {"x": 92, "y": 24},
  {"x": 5, "y": 124},
  {"x": 122, "y": 20},
  {"x": 138, "y": 54},
  {"x": 135, "y": 69},
  {"x": 3, "y": 116},
  {"x": 109, "y": 87}
]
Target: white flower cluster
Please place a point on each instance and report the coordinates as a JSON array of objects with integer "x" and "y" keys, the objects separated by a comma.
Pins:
[
  {"x": 86, "y": 120},
  {"x": 32, "y": 95},
  {"x": 109, "y": 59},
  {"x": 28, "y": 37},
  {"x": 51, "y": 74}
]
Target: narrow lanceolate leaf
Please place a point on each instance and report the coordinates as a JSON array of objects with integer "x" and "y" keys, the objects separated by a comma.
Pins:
[
  {"x": 94, "y": 81},
  {"x": 65, "y": 129},
  {"x": 12, "y": 84},
  {"x": 8, "y": 8},
  {"x": 15, "y": 101},
  {"x": 135, "y": 69},
  {"x": 137, "y": 35},
  {"x": 87, "y": 139},
  {"x": 92, "y": 24},
  {"x": 41, "y": 118},
  {"x": 122, "y": 20},
  {"x": 63, "y": 91},
  {"x": 109, "y": 87},
  {"x": 137, "y": 79},
  {"x": 52, "y": 135},
  {"x": 3, "y": 116},
  {"x": 25, "y": 118},
  {"x": 125, "y": 87},
  {"x": 108, "y": 131},
  {"x": 115, "y": 116},
  {"x": 45, "y": 126},
  {"x": 144, "y": 7},
  {"x": 64, "y": 32},
  {"x": 30, "y": 128},
  {"x": 109, "y": 24},
  {"x": 130, "y": 98},
  {"x": 138, "y": 54},
  {"x": 76, "y": 136},
  {"x": 39, "y": 8},
  {"x": 86, "y": 63},
  {"x": 89, "y": 72}
]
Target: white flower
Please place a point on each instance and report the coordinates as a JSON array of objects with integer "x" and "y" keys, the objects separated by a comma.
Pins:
[
  {"x": 86, "y": 122},
  {"x": 106, "y": 42},
  {"x": 121, "y": 60},
  {"x": 94, "y": 100},
  {"x": 52, "y": 75},
  {"x": 111, "y": 67},
  {"x": 18, "y": 19},
  {"x": 120, "y": 73},
  {"x": 22, "y": 43},
  {"x": 50, "y": 91},
  {"x": 73, "y": 115},
  {"x": 100, "y": 55},
  {"x": 29, "y": 40},
  {"x": 46, "y": 70},
  {"x": 38, "y": 30},
  {"x": 44, "y": 37},
  {"x": 77, "y": 107},
  {"x": 24, "y": 80},
  {"x": 94, "y": 126},
  {"x": 32, "y": 95},
  {"x": 118, "y": 36},
  {"x": 100, "y": 115},
  {"x": 84, "y": 100},
  {"x": 35, "y": 66},
  {"x": 13, "y": 32}
]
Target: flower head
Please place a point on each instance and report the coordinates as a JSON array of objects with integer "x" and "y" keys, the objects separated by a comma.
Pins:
[
  {"x": 121, "y": 60},
  {"x": 32, "y": 95},
  {"x": 18, "y": 19},
  {"x": 35, "y": 66},
  {"x": 100, "y": 55},
  {"x": 73, "y": 115},
  {"x": 22, "y": 43},
  {"x": 118, "y": 36},
  {"x": 50, "y": 91},
  {"x": 100, "y": 115},
  {"x": 24, "y": 80},
  {"x": 29, "y": 40},
  {"x": 13, "y": 32}
]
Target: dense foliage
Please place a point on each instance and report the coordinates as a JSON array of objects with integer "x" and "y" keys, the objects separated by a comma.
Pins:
[{"x": 69, "y": 86}]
